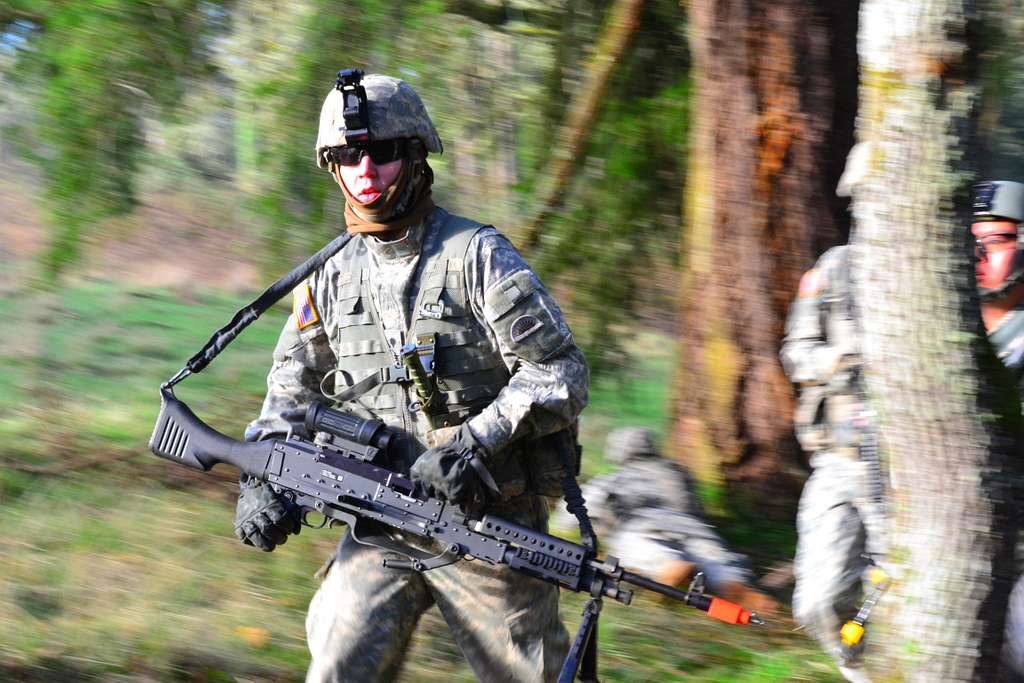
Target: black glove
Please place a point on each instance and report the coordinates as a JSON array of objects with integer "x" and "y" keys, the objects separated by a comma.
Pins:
[
  {"x": 454, "y": 472},
  {"x": 263, "y": 518}
]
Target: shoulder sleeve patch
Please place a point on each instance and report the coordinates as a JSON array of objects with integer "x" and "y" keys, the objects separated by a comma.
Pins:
[
  {"x": 303, "y": 307},
  {"x": 810, "y": 283}
]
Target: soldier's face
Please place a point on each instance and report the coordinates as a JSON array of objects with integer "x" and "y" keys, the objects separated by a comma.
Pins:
[
  {"x": 995, "y": 260},
  {"x": 366, "y": 180}
]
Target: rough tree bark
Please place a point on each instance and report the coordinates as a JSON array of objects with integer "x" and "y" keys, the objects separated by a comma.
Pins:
[
  {"x": 773, "y": 111},
  {"x": 932, "y": 379}
]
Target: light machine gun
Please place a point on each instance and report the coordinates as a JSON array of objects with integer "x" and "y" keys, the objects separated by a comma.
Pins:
[{"x": 343, "y": 481}]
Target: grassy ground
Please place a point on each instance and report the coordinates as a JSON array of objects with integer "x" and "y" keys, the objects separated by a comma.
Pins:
[{"x": 117, "y": 566}]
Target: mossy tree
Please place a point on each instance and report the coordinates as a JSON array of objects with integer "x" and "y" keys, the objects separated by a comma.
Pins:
[
  {"x": 772, "y": 120},
  {"x": 949, "y": 414}
]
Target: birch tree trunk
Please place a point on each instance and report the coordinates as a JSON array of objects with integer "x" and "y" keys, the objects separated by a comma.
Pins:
[
  {"x": 773, "y": 111},
  {"x": 930, "y": 375}
]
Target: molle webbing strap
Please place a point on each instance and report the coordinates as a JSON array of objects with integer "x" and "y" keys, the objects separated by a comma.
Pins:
[{"x": 248, "y": 314}]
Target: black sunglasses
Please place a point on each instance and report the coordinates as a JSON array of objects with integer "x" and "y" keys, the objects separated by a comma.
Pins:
[{"x": 380, "y": 152}]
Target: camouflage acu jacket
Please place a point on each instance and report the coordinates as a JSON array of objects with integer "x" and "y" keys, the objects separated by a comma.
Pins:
[
  {"x": 504, "y": 355},
  {"x": 821, "y": 354}
]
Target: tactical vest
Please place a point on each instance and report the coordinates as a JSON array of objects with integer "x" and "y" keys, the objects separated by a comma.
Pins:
[{"x": 468, "y": 366}]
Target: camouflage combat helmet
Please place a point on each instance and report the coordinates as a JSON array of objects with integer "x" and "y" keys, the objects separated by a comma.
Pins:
[
  {"x": 395, "y": 111},
  {"x": 996, "y": 200},
  {"x": 630, "y": 443}
]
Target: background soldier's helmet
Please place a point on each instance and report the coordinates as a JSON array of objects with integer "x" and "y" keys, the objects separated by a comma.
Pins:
[
  {"x": 395, "y": 111},
  {"x": 630, "y": 443},
  {"x": 1001, "y": 200}
]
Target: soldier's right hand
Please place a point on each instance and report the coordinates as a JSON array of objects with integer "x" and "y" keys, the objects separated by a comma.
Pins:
[{"x": 263, "y": 518}]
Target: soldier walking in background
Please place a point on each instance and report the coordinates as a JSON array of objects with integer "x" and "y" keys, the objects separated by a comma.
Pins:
[
  {"x": 998, "y": 211},
  {"x": 647, "y": 512},
  {"x": 503, "y": 357},
  {"x": 840, "y": 521}
]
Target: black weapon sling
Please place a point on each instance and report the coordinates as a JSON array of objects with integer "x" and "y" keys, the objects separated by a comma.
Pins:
[{"x": 248, "y": 314}]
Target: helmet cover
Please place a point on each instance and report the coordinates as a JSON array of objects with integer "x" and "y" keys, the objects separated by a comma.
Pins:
[
  {"x": 630, "y": 443},
  {"x": 394, "y": 111}
]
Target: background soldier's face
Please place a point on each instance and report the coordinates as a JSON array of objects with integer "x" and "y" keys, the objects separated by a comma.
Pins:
[
  {"x": 995, "y": 262},
  {"x": 366, "y": 180}
]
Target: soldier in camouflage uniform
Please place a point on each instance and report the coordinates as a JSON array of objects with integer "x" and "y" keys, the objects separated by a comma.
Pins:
[
  {"x": 508, "y": 368},
  {"x": 648, "y": 516},
  {"x": 999, "y": 271},
  {"x": 840, "y": 517},
  {"x": 999, "y": 267}
]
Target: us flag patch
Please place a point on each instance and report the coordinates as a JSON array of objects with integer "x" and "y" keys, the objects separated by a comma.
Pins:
[{"x": 305, "y": 311}]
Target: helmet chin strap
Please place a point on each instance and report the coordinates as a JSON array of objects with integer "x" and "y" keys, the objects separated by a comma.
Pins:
[{"x": 1003, "y": 290}]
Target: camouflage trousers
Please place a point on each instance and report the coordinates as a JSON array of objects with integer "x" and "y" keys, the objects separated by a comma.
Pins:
[
  {"x": 506, "y": 624},
  {"x": 837, "y": 524},
  {"x": 653, "y": 537}
]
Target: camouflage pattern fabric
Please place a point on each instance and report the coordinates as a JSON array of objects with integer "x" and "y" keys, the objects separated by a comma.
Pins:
[
  {"x": 837, "y": 521},
  {"x": 1008, "y": 341},
  {"x": 652, "y": 538},
  {"x": 394, "y": 109},
  {"x": 821, "y": 354},
  {"x": 648, "y": 516},
  {"x": 361, "y": 619},
  {"x": 545, "y": 393},
  {"x": 506, "y": 624},
  {"x": 832, "y": 539}
]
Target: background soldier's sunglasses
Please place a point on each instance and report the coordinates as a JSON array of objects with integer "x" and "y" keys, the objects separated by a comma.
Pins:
[
  {"x": 379, "y": 151},
  {"x": 983, "y": 246}
]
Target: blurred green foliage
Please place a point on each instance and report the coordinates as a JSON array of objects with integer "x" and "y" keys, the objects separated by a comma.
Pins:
[
  {"x": 99, "y": 94},
  {"x": 96, "y": 70}
]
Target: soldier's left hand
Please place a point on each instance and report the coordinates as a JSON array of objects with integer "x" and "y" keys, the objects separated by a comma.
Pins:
[{"x": 446, "y": 471}]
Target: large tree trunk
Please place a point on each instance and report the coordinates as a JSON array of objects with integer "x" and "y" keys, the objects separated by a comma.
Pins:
[
  {"x": 773, "y": 119},
  {"x": 932, "y": 379}
]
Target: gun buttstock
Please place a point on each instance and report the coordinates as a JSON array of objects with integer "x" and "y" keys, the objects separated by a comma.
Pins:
[{"x": 179, "y": 435}]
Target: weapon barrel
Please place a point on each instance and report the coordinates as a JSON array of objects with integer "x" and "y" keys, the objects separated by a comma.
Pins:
[
  {"x": 723, "y": 610},
  {"x": 652, "y": 585}
]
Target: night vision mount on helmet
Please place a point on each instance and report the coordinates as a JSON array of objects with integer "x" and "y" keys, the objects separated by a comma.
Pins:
[{"x": 996, "y": 200}]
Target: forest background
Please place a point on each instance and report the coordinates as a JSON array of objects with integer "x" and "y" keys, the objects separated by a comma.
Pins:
[{"x": 157, "y": 172}]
